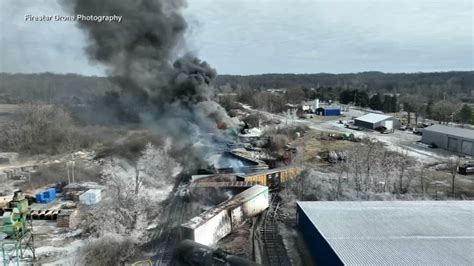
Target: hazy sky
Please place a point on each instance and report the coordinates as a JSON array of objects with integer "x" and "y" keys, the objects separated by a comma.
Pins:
[{"x": 262, "y": 36}]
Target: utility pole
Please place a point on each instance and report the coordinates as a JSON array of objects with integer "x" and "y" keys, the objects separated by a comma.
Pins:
[
  {"x": 70, "y": 170},
  {"x": 67, "y": 170}
]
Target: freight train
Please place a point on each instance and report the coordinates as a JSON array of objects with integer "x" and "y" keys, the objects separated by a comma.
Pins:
[
  {"x": 272, "y": 178},
  {"x": 219, "y": 221},
  {"x": 194, "y": 254}
]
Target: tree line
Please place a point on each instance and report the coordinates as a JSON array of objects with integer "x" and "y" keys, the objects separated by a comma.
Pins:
[
  {"x": 435, "y": 85},
  {"x": 386, "y": 103},
  {"x": 444, "y": 111}
]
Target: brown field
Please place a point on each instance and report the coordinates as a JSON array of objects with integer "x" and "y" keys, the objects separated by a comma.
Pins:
[{"x": 316, "y": 142}]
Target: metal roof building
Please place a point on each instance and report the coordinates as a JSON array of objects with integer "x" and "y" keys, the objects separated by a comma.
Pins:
[
  {"x": 388, "y": 232},
  {"x": 328, "y": 111},
  {"x": 372, "y": 121},
  {"x": 455, "y": 139}
]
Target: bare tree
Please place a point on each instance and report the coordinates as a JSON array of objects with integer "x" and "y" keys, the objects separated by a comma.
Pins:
[
  {"x": 108, "y": 250},
  {"x": 155, "y": 167},
  {"x": 133, "y": 189},
  {"x": 39, "y": 129},
  {"x": 444, "y": 110},
  {"x": 422, "y": 179},
  {"x": 371, "y": 148},
  {"x": 453, "y": 163},
  {"x": 341, "y": 168},
  {"x": 402, "y": 165}
]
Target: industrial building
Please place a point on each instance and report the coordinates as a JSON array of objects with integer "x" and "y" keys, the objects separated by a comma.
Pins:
[
  {"x": 459, "y": 140},
  {"x": 328, "y": 111},
  {"x": 388, "y": 232},
  {"x": 310, "y": 107},
  {"x": 373, "y": 121}
]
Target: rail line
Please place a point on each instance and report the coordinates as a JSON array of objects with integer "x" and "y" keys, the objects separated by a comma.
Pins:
[
  {"x": 168, "y": 236},
  {"x": 273, "y": 249}
]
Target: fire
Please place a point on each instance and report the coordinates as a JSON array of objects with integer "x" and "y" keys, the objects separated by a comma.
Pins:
[{"x": 221, "y": 125}]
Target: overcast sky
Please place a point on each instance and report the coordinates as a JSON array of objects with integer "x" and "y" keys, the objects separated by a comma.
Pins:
[{"x": 262, "y": 36}]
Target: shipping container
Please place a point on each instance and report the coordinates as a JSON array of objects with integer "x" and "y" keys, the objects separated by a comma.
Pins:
[{"x": 46, "y": 196}]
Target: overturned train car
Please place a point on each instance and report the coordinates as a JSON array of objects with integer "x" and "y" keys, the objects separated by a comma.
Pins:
[
  {"x": 272, "y": 178},
  {"x": 191, "y": 253},
  {"x": 216, "y": 223}
]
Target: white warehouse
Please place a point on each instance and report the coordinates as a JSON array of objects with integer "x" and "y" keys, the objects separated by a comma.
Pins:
[{"x": 372, "y": 121}]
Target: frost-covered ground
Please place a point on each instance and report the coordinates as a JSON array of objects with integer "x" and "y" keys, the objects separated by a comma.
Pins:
[
  {"x": 399, "y": 141},
  {"x": 68, "y": 254},
  {"x": 54, "y": 246}
]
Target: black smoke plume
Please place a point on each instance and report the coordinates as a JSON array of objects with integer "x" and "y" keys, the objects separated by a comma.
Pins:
[{"x": 171, "y": 94}]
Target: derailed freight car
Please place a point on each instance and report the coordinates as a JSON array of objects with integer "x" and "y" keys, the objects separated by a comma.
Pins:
[
  {"x": 192, "y": 253},
  {"x": 214, "y": 224},
  {"x": 272, "y": 178},
  {"x": 217, "y": 192}
]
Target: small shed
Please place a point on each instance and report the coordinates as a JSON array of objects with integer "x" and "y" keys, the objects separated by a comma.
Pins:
[
  {"x": 90, "y": 197},
  {"x": 455, "y": 139},
  {"x": 67, "y": 219},
  {"x": 328, "y": 111},
  {"x": 373, "y": 121},
  {"x": 8, "y": 157}
]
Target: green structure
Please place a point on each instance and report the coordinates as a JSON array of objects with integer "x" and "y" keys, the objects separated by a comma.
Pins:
[{"x": 16, "y": 231}]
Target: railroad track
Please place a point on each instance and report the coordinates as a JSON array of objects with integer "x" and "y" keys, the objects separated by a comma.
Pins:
[
  {"x": 273, "y": 249},
  {"x": 169, "y": 235}
]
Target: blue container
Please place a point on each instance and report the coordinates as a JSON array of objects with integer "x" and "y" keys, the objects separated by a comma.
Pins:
[
  {"x": 52, "y": 193},
  {"x": 46, "y": 196},
  {"x": 39, "y": 197}
]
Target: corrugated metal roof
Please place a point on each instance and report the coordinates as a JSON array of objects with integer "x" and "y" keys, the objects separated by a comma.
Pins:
[
  {"x": 372, "y": 118},
  {"x": 455, "y": 131},
  {"x": 397, "y": 232}
]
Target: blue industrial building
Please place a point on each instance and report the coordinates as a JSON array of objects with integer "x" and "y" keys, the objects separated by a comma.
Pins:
[
  {"x": 328, "y": 111},
  {"x": 387, "y": 232}
]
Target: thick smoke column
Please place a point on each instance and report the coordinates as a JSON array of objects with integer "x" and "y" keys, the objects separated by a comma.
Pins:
[{"x": 173, "y": 94}]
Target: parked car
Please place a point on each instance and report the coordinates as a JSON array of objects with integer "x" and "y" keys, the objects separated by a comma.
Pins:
[
  {"x": 381, "y": 129},
  {"x": 349, "y": 126},
  {"x": 418, "y": 131},
  {"x": 466, "y": 168}
]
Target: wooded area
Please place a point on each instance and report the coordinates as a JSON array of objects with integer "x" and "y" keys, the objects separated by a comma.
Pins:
[
  {"x": 435, "y": 85},
  {"x": 73, "y": 88},
  {"x": 436, "y": 95}
]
